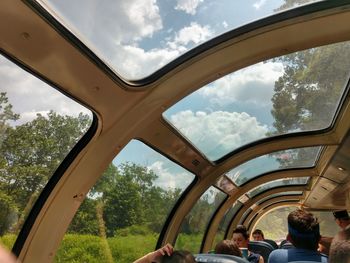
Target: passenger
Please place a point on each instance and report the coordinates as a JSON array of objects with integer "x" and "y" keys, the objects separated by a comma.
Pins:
[
  {"x": 241, "y": 238},
  {"x": 166, "y": 254},
  {"x": 258, "y": 235},
  {"x": 227, "y": 247},
  {"x": 304, "y": 234},
  {"x": 342, "y": 219},
  {"x": 6, "y": 256},
  {"x": 340, "y": 247}
]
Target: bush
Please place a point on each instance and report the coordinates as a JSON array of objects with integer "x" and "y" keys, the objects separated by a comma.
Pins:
[
  {"x": 8, "y": 240},
  {"x": 133, "y": 230}
]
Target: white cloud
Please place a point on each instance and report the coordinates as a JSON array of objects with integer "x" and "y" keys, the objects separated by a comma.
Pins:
[
  {"x": 30, "y": 96},
  {"x": 189, "y": 6},
  {"x": 134, "y": 61},
  {"x": 224, "y": 24},
  {"x": 194, "y": 33},
  {"x": 219, "y": 132},
  {"x": 257, "y": 5},
  {"x": 167, "y": 179},
  {"x": 253, "y": 84}
]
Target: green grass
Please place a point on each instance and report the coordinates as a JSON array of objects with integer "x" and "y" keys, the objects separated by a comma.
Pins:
[{"x": 88, "y": 248}]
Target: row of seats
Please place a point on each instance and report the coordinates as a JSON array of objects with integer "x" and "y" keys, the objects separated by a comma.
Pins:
[{"x": 264, "y": 248}]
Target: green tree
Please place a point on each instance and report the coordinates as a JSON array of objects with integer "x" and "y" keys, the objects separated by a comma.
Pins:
[
  {"x": 31, "y": 153},
  {"x": 311, "y": 85},
  {"x": 292, "y": 3}
]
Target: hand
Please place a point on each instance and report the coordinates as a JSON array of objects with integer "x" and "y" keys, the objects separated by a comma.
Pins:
[{"x": 157, "y": 255}]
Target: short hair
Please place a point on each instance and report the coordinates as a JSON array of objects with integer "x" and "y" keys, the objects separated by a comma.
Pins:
[
  {"x": 228, "y": 247},
  {"x": 340, "y": 247},
  {"x": 342, "y": 214},
  {"x": 304, "y": 229},
  {"x": 258, "y": 232},
  {"x": 241, "y": 229},
  {"x": 179, "y": 256}
]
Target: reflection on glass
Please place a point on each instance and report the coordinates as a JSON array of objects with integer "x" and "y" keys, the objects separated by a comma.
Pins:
[
  {"x": 286, "y": 159},
  {"x": 244, "y": 216},
  {"x": 194, "y": 224},
  {"x": 136, "y": 38},
  {"x": 278, "y": 195},
  {"x": 224, "y": 223},
  {"x": 292, "y": 93},
  {"x": 225, "y": 184},
  {"x": 38, "y": 128},
  {"x": 124, "y": 212},
  {"x": 276, "y": 183}
]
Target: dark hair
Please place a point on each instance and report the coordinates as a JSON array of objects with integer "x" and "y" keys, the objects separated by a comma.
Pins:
[
  {"x": 303, "y": 229},
  {"x": 228, "y": 247},
  {"x": 258, "y": 232},
  {"x": 241, "y": 229},
  {"x": 179, "y": 256}
]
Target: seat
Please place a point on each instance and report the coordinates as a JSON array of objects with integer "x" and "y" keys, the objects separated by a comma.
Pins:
[
  {"x": 261, "y": 247},
  {"x": 272, "y": 243},
  {"x": 287, "y": 245},
  {"x": 218, "y": 258}
]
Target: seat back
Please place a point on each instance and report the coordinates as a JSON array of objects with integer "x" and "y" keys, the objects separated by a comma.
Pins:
[
  {"x": 261, "y": 247},
  {"x": 287, "y": 245},
  {"x": 218, "y": 258},
  {"x": 272, "y": 243}
]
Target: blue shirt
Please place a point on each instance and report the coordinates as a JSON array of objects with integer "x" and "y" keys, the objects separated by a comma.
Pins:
[{"x": 296, "y": 254}]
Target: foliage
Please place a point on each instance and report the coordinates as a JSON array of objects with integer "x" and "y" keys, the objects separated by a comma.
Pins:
[
  {"x": 29, "y": 155},
  {"x": 89, "y": 248},
  {"x": 312, "y": 82},
  {"x": 292, "y": 3}
]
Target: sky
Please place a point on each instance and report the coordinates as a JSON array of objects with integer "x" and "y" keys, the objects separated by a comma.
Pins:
[{"x": 137, "y": 37}]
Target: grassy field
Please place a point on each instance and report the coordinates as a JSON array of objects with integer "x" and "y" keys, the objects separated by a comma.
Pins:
[{"x": 125, "y": 249}]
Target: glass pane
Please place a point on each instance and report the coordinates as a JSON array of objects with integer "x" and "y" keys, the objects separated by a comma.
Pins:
[
  {"x": 136, "y": 37},
  {"x": 276, "y": 183},
  {"x": 224, "y": 223},
  {"x": 38, "y": 127},
  {"x": 286, "y": 159},
  {"x": 225, "y": 184},
  {"x": 244, "y": 216},
  {"x": 195, "y": 223},
  {"x": 123, "y": 214},
  {"x": 289, "y": 94},
  {"x": 278, "y": 195},
  {"x": 274, "y": 224}
]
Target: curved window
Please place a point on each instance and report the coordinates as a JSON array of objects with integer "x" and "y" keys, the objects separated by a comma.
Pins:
[
  {"x": 294, "y": 93},
  {"x": 289, "y": 193},
  {"x": 277, "y": 183},
  {"x": 224, "y": 223},
  {"x": 195, "y": 223},
  {"x": 136, "y": 38},
  {"x": 38, "y": 128},
  {"x": 286, "y": 159},
  {"x": 123, "y": 214}
]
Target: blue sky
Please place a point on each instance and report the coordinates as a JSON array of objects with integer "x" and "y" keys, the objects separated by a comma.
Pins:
[{"x": 137, "y": 37}]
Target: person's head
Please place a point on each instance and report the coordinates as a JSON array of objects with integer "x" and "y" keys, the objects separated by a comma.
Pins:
[
  {"x": 227, "y": 247},
  {"x": 340, "y": 248},
  {"x": 179, "y": 256},
  {"x": 342, "y": 218},
  {"x": 240, "y": 236},
  {"x": 258, "y": 235},
  {"x": 303, "y": 230}
]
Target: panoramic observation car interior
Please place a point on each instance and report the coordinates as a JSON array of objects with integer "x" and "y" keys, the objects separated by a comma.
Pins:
[{"x": 127, "y": 125}]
